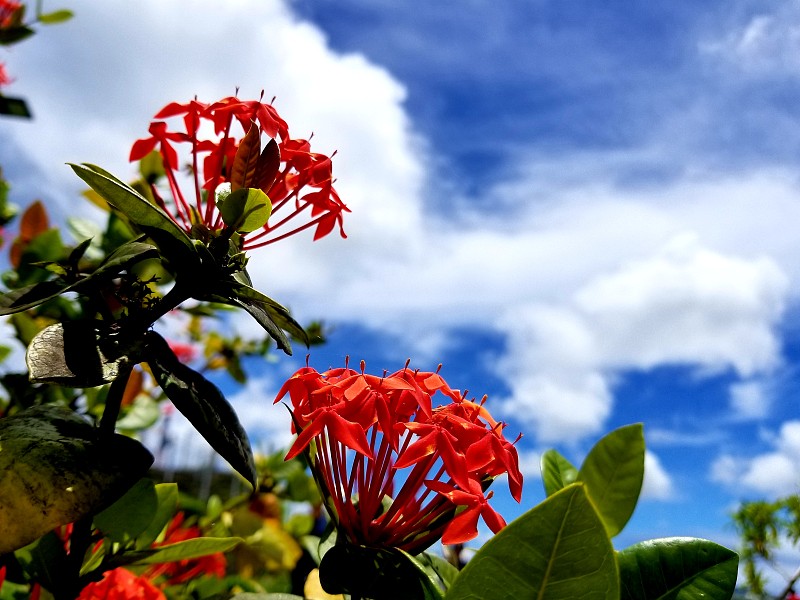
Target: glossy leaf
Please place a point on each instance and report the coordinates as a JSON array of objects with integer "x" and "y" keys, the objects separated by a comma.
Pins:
[
  {"x": 613, "y": 472},
  {"x": 677, "y": 569},
  {"x": 69, "y": 353},
  {"x": 557, "y": 550},
  {"x": 56, "y": 469},
  {"x": 245, "y": 210},
  {"x": 557, "y": 472},
  {"x": 268, "y": 164},
  {"x": 201, "y": 402},
  {"x": 151, "y": 220},
  {"x": 129, "y": 516}
]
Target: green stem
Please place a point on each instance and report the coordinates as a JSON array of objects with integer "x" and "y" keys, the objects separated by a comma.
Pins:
[{"x": 114, "y": 401}]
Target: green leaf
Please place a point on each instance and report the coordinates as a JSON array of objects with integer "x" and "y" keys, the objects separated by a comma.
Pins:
[
  {"x": 273, "y": 317},
  {"x": 167, "y": 501},
  {"x": 55, "y": 469},
  {"x": 129, "y": 516},
  {"x": 613, "y": 472},
  {"x": 45, "y": 561},
  {"x": 375, "y": 573},
  {"x": 263, "y": 596},
  {"x": 185, "y": 550},
  {"x": 57, "y": 16},
  {"x": 121, "y": 259},
  {"x": 557, "y": 472},
  {"x": 677, "y": 569},
  {"x": 557, "y": 550},
  {"x": 69, "y": 353},
  {"x": 201, "y": 402},
  {"x": 12, "y": 35},
  {"x": 151, "y": 220},
  {"x": 245, "y": 210},
  {"x": 142, "y": 414}
]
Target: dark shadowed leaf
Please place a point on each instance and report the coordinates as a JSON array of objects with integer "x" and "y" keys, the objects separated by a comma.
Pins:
[
  {"x": 558, "y": 550},
  {"x": 129, "y": 516},
  {"x": 677, "y": 569},
  {"x": 613, "y": 472},
  {"x": 201, "y": 402},
  {"x": 56, "y": 469},
  {"x": 557, "y": 472},
  {"x": 69, "y": 353},
  {"x": 375, "y": 573},
  {"x": 268, "y": 164}
]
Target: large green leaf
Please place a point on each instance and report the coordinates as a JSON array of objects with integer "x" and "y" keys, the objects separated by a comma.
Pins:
[
  {"x": 557, "y": 472},
  {"x": 55, "y": 468},
  {"x": 185, "y": 550},
  {"x": 167, "y": 499},
  {"x": 151, "y": 220},
  {"x": 202, "y": 403},
  {"x": 129, "y": 516},
  {"x": 613, "y": 472},
  {"x": 558, "y": 550},
  {"x": 245, "y": 210},
  {"x": 677, "y": 569}
]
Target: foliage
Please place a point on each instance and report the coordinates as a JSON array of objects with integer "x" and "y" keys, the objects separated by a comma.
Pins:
[{"x": 81, "y": 514}]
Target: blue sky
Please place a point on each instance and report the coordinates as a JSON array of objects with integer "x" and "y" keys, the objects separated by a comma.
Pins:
[{"x": 587, "y": 211}]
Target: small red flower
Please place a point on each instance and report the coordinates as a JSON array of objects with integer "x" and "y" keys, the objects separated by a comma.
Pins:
[
  {"x": 395, "y": 470},
  {"x": 8, "y": 13},
  {"x": 298, "y": 182},
  {"x": 5, "y": 78},
  {"x": 181, "y": 571},
  {"x": 121, "y": 584}
]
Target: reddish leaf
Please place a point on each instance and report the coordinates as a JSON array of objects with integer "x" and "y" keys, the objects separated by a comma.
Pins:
[
  {"x": 34, "y": 221},
  {"x": 245, "y": 163},
  {"x": 267, "y": 168}
]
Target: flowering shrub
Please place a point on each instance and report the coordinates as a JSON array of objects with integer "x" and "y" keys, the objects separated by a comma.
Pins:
[
  {"x": 293, "y": 181},
  {"x": 449, "y": 455}
]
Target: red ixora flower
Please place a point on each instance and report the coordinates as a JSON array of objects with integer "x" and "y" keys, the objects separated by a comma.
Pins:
[
  {"x": 5, "y": 78},
  {"x": 299, "y": 182},
  {"x": 121, "y": 584},
  {"x": 395, "y": 470},
  {"x": 181, "y": 571},
  {"x": 8, "y": 13}
]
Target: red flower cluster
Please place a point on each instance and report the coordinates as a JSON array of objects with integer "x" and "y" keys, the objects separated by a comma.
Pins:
[
  {"x": 121, "y": 584},
  {"x": 181, "y": 571},
  {"x": 369, "y": 434},
  {"x": 9, "y": 11},
  {"x": 299, "y": 182}
]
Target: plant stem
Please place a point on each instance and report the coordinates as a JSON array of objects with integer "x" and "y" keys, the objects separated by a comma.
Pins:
[{"x": 114, "y": 400}]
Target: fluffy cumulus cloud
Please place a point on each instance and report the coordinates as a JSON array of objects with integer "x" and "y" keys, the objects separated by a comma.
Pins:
[
  {"x": 657, "y": 484},
  {"x": 774, "y": 473},
  {"x": 683, "y": 305}
]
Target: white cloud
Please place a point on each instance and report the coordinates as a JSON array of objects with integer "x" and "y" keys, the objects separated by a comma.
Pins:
[
  {"x": 657, "y": 484},
  {"x": 776, "y": 473},
  {"x": 750, "y": 399},
  {"x": 585, "y": 277}
]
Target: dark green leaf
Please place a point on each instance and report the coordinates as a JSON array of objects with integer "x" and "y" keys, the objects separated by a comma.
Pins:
[
  {"x": 613, "y": 472},
  {"x": 55, "y": 469},
  {"x": 45, "y": 561},
  {"x": 677, "y": 569},
  {"x": 151, "y": 220},
  {"x": 30, "y": 296},
  {"x": 69, "y": 353},
  {"x": 557, "y": 550},
  {"x": 201, "y": 402},
  {"x": 557, "y": 472},
  {"x": 12, "y": 35},
  {"x": 129, "y": 516}
]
